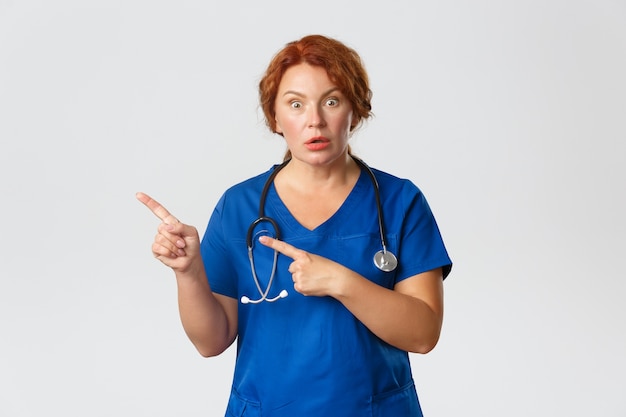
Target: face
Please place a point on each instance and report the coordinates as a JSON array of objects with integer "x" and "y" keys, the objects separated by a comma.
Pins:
[{"x": 313, "y": 115}]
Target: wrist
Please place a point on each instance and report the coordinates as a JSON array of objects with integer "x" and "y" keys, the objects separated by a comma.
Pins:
[
  {"x": 194, "y": 271},
  {"x": 343, "y": 283}
]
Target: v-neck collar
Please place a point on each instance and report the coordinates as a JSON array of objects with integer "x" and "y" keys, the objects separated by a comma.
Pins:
[{"x": 288, "y": 222}]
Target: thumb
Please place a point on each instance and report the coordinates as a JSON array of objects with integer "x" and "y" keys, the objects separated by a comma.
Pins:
[{"x": 188, "y": 233}]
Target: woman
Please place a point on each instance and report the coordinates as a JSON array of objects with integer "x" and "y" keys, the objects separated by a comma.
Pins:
[{"x": 329, "y": 332}]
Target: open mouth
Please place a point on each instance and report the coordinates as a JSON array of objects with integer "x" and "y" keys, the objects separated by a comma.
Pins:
[
  {"x": 317, "y": 143},
  {"x": 317, "y": 140}
]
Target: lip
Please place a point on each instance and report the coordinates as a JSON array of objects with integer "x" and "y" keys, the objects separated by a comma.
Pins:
[{"x": 317, "y": 143}]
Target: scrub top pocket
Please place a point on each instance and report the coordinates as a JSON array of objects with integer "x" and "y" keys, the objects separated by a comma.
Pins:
[
  {"x": 399, "y": 402},
  {"x": 356, "y": 252},
  {"x": 239, "y": 407}
]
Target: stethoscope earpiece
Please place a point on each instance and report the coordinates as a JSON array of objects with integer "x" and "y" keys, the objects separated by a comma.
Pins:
[{"x": 247, "y": 300}]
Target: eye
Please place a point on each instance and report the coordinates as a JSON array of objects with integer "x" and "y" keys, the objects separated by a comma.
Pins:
[
  {"x": 295, "y": 104},
  {"x": 332, "y": 102}
]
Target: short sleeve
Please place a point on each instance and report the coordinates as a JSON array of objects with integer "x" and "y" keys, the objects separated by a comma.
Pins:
[
  {"x": 215, "y": 255},
  {"x": 421, "y": 246}
]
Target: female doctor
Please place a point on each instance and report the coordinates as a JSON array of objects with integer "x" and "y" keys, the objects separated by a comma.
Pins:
[{"x": 326, "y": 272}]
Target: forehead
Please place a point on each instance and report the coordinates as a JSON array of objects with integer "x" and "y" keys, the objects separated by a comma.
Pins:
[{"x": 305, "y": 78}]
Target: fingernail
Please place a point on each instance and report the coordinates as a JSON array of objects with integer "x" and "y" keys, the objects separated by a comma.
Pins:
[
  {"x": 169, "y": 227},
  {"x": 181, "y": 252}
]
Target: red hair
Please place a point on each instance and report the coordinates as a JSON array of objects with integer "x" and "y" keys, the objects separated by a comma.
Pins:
[{"x": 343, "y": 65}]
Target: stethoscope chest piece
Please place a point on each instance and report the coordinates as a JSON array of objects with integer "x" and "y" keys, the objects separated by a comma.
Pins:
[{"x": 385, "y": 261}]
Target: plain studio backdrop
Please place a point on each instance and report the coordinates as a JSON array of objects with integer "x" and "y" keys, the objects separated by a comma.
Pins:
[{"x": 509, "y": 115}]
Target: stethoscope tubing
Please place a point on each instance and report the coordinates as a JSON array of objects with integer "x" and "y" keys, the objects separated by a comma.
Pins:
[
  {"x": 383, "y": 259},
  {"x": 379, "y": 207}
]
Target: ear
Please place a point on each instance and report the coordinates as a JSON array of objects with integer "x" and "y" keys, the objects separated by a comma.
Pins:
[
  {"x": 354, "y": 123},
  {"x": 277, "y": 128}
]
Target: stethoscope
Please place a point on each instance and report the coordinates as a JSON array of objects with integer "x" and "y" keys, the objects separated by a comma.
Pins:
[{"x": 384, "y": 260}]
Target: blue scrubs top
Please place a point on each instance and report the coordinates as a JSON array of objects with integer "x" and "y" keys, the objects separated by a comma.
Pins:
[{"x": 309, "y": 356}]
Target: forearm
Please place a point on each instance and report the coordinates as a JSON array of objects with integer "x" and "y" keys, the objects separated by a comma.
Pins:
[
  {"x": 408, "y": 317},
  {"x": 402, "y": 320},
  {"x": 209, "y": 320},
  {"x": 202, "y": 315}
]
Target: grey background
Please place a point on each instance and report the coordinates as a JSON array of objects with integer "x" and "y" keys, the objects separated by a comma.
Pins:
[{"x": 509, "y": 115}]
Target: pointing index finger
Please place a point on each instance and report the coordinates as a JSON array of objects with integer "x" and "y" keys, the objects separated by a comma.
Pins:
[
  {"x": 156, "y": 208},
  {"x": 280, "y": 246}
]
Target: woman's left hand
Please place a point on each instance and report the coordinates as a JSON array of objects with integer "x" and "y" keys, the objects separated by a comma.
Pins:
[
  {"x": 409, "y": 316},
  {"x": 312, "y": 274}
]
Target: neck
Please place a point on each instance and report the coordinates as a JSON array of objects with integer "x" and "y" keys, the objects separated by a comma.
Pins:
[{"x": 340, "y": 172}]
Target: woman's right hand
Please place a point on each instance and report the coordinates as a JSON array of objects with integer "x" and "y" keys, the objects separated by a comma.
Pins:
[
  {"x": 177, "y": 245},
  {"x": 210, "y": 320}
]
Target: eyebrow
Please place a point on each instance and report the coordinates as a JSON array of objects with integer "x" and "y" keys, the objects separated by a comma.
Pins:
[{"x": 333, "y": 89}]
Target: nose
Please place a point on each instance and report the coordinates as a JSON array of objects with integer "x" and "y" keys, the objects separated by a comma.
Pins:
[{"x": 316, "y": 117}]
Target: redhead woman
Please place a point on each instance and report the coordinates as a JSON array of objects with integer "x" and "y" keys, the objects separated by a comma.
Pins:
[{"x": 325, "y": 272}]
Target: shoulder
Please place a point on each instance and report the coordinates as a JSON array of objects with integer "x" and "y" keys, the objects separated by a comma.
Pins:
[
  {"x": 244, "y": 192},
  {"x": 253, "y": 184},
  {"x": 401, "y": 195},
  {"x": 392, "y": 184}
]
